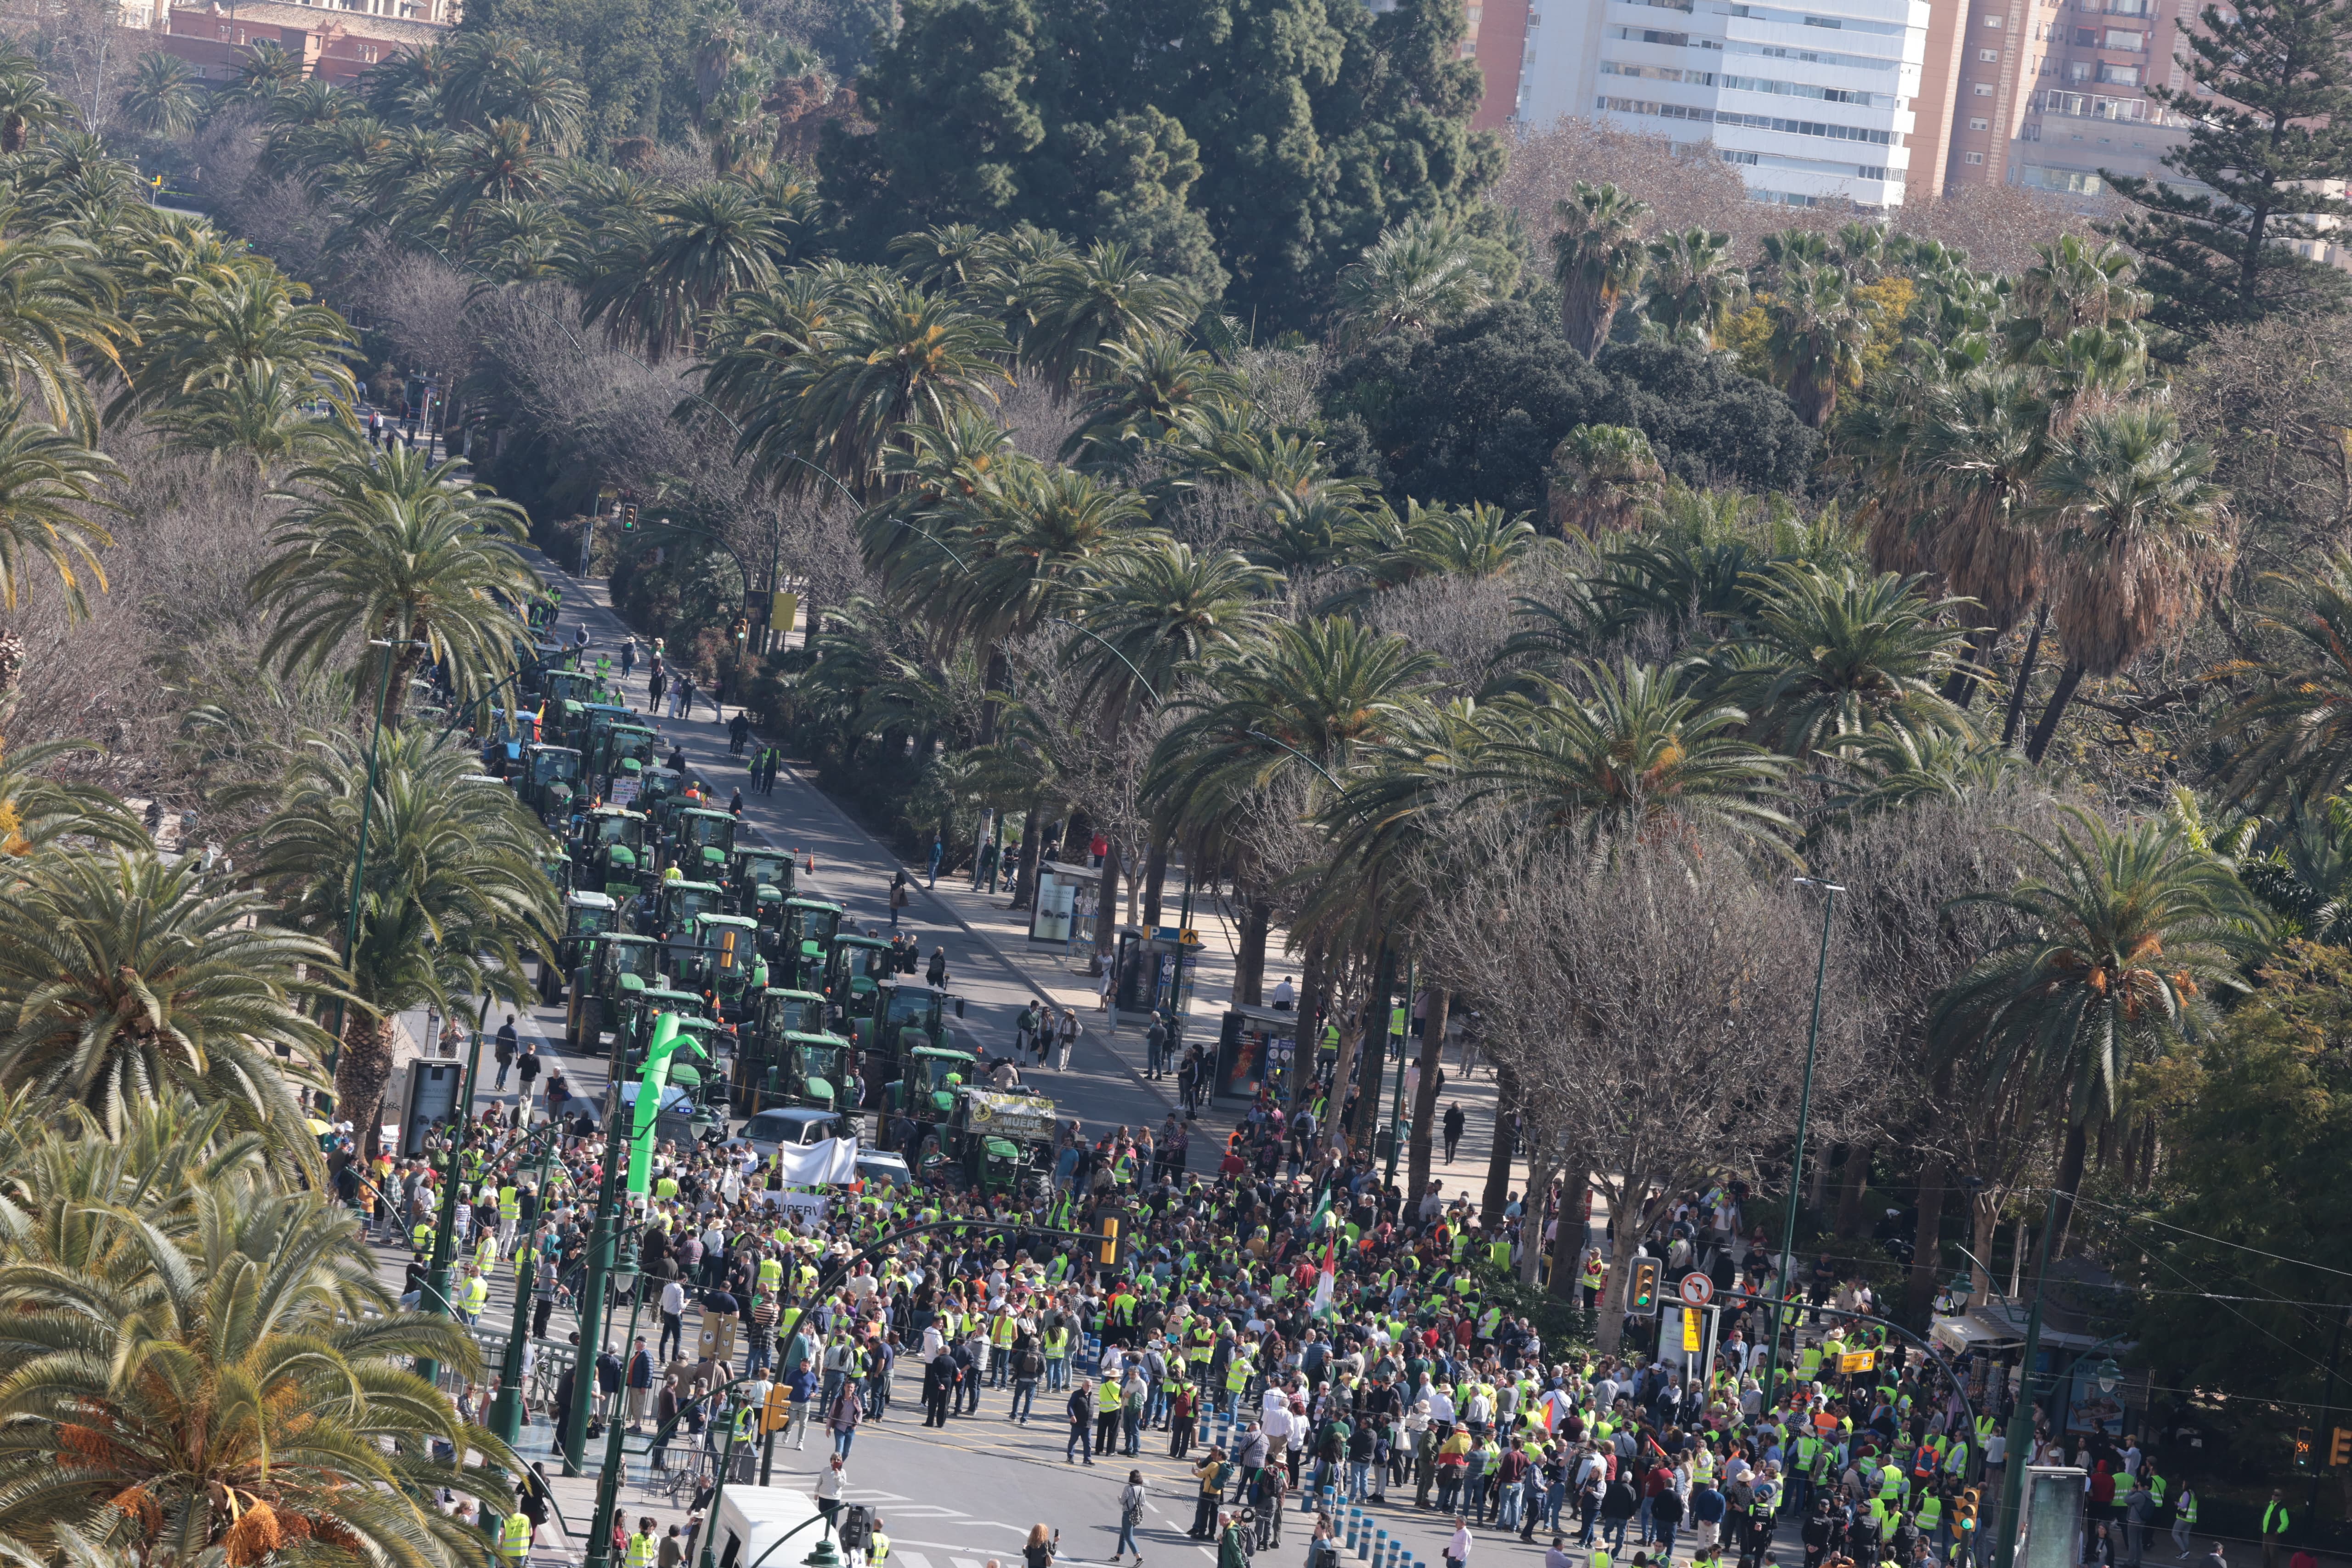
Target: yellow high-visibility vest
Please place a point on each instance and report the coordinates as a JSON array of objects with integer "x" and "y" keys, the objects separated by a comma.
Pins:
[{"x": 514, "y": 1540}]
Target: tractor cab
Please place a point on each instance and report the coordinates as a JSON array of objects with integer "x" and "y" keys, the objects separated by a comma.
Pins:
[
  {"x": 640, "y": 1009},
  {"x": 622, "y": 966},
  {"x": 627, "y": 752},
  {"x": 587, "y": 918},
  {"x": 701, "y": 842},
  {"x": 550, "y": 781},
  {"x": 675, "y": 905},
  {"x": 795, "y": 1067},
  {"x": 759, "y": 878},
  {"x": 904, "y": 1018},
  {"x": 855, "y": 970},
  {"x": 656, "y": 785},
  {"x": 502, "y": 735},
  {"x": 789, "y": 1012},
  {"x": 799, "y": 944},
  {"x": 611, "y": 849},
  {"x": 726, "y": 949},
  {"x": 929, "y": 1078},
  {"x": 531, "y": 680},
  {"x": 572, "y": 686},
  {"x": 555, "y": 865}
]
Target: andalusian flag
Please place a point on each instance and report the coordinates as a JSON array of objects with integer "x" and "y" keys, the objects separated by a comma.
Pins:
[{"x": 1329, "y": 1279}]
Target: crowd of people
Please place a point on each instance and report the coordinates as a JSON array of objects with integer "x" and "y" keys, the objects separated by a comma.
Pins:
[{"x": 1328, "y": 1334}]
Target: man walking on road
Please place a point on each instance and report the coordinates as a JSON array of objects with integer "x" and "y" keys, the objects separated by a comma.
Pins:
[
  {"x": 506, "y": 1042},
  {"x": 1155, "y": 1044}
]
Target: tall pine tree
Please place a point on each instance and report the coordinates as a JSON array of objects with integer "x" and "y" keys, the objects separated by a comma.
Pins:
[{"x": 2271, "y": 103}]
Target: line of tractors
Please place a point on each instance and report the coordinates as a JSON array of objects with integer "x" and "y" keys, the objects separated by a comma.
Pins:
[{"x": 665, "y": 912}]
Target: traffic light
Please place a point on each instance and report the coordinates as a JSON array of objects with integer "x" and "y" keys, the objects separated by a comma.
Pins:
[
  {"x": 1109, "y": 1255},
  {"x": 1641, "y": 1296},
  {"x": 628, "y": 519},
  {"x": 2303, "y": 1448}
]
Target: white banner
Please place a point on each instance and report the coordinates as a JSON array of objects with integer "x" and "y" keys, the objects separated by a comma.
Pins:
[{"x": 818, "y": 1164}]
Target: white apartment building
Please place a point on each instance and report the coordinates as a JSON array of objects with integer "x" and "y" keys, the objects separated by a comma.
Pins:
[{"x": 1813, "y": 99}]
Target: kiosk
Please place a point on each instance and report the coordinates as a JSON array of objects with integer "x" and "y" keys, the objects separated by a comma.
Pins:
[
  {"x": 1062, "y": 913},
  {"x": 1255, "y": 1050}
]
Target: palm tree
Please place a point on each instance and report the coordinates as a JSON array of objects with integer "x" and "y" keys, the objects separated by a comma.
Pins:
[
  {"x": 394, "y": 548},
  {"x": 500, "y": 162},
  {"x": 1597, "y": 258},
  {"x": 36, "y": 810},
  {"x": 122, "y": 978},
  {"x": 199, "y": 330},
  {"x": 26, "y": 104},
  {"x": 1417, "y": 276},
  {"x": 216, "y": 1374},
  {"x": 653, "y": 288},
  {"x": 2122, "y": 934},
  {"x": 1031, "y": 542},
  {"x": 1082, "y": 304},
  {"x": 1143, "y": 392},
  {"x": 1473, "y": 540},
  {"x": 261, "y": 414},
  {"x": 1604, "y": 478},
  {"x": 2292, "y": 737},
  {"x": 452, "y": 896},
  {"x": 1644, "y": 755},
  {"x": 1898, "y": 764},
  {"x": 898, "y": 358},
  {"x": 162, "y": 99},
  {"x": 49, "y": 484},
  {"x": 1820, "y": 328},
  {"x": 55, "y": 313},
  {"x": 2139, "y": 534},
  {"x": 1694, "y": 288},
  {"x": 265, "y": 73},
  {"x": 1160, "y": 606},
  {"x": 1844, "y": 650},
  {"x": 2072, "y": 283}
]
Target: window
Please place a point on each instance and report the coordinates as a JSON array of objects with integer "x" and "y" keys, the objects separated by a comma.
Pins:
[
  {"x": 1993, "y": 22},
  {"x": 2078, "y": 71},
  {"x": 2119, "y": 76},
  {"x": 1983, "y": 90},
  {"x": 2119, "y": 40},
  {"x": 1978, "y": 122},
  {"x": 1973, "y": 158},
  {"x": 1988, "y": 55}
]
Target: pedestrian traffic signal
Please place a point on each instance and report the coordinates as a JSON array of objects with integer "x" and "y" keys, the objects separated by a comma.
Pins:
[
  {"x": 2303, "y": 1448},
  {"x": 2339, "y": 1447},
  {"x": 1642, "y": 1298}
]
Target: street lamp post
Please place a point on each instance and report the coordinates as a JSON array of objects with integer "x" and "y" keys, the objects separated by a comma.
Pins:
[
  {"x": 600, "y": 1262},
  {"x": 608, "y": 1479},
  {"x": 1797, "y": 1159},
  {"x": 506, "y": 1410},
  {"x": 2021, "y": 1416},
  {"x": 1404, "y": 1054},
  {"x": 444, "y": 1231}
]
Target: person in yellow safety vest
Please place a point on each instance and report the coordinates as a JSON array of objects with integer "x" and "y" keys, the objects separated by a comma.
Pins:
[
  {"x": 746, "y": 1419},
  {"x": 2275, "y": 1523},
  {"x": 1594, "y": 1269},
  {"x": 1956, "y": 1462},
  {"x": 1930, "y": 1514},
  {"x": 477, "y": 1297},
  {"x": 772, "y": 1275},
  {"x": 877, "y": 1545},
  {"x": 1809, "y": 1364},
  {"x": 421, "y": 1233},
  {"x": 514, "y": 1539},
  {"x": 641, "y": 1545},
  {"x": 1890, "y": 1480}
]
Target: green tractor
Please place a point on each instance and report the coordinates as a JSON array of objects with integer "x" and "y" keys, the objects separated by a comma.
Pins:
[
  {"x": 622, "y": 965},
  {"x": 905, "y": 1017},
  {"x": 656, "y": 785},
  {"x": 999, "y": 1140},
  {"x": 550, "y": 784},
  {"x": 611, "y": 851},
  {"x": 562, "y": 687},
  {"x": 925, "y": 1087},
  {"x": 698, "y": 842},
  {"x": 624, "y": 755},
  {"x": 855, "y": 968},
  {"x": 721, "y": 962},
  {"x": 667, "y": 912},
  {"x": 799, "y": 944},
  {"x": 791, "y": 1067},
  {"x": 588, "y": 919},
  {"x": 759, "y": 878}
]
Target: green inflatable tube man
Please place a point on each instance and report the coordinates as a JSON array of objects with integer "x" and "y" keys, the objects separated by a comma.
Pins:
[{"x": 651, "y": 1082}]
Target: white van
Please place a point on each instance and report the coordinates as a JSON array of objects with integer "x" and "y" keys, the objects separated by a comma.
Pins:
[{"x": 755, "y": 1528}]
